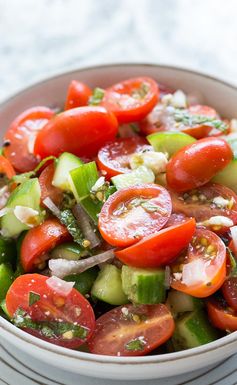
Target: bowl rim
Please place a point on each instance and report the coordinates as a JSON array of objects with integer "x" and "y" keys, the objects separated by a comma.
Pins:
[{"x": 89, "y": 357}]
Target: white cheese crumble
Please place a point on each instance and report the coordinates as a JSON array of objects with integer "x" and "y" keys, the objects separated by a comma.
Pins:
[
  {"x": 178, "y": 99},
  {"x": 217, "y": 220},
  {"x": 220, "y": 201},
  {"x": 98, "y": 184},
  {"x": 26, "y": 215},
  {"x": 155, "y": 161}
]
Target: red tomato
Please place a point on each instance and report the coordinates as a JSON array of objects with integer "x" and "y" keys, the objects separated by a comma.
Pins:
[
  {"x": 21, "y": 135},
  {"x": 114, "y": 157},
  {"x": 176, "y": 219},
  {"x": 200, "y": 204},
  {"x": 133, "y": 213},
  {"x": 78, "y": 95},
  {"x": 202, "y": 270},
  {"x": 81, "y": 131},
  {"x": 6, "y": 167},
  {"x": 160, "y": 248},
  {"x": 47, "y": 189},
  {"x": 221, "y": 317},
  {"x": 201, "y": 130},
  {"x": 194, "y": 165},
  {"x": 229, "y": 291},
  {"x": 39, "y": 240},
  {"x": 55, "y": 316},
  {"x": 132, "y": 99},
  {"x": 130, "y": 330}
]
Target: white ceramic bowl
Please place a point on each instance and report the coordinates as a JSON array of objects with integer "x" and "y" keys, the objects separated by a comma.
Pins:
[{"x": 62, "y": 364}]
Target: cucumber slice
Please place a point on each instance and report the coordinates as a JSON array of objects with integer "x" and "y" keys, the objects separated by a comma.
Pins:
[
  {"x": 83, "y": 281},
  {"x": 65, "y": 163},
  {"x": 180, "y": 302},
  {"x": 6, "y": 279},
  {"x": 169, "y": 141},
  {"x": 140, "y": 175},
  {"x": 108, "y": 286},
  {"x": 192, "y": 330},
  {"x": 8, "y": 251},
  {"x": 70, "y": 251},
  {"x": 227, "y": 176},
  {"x": 143, "y": 286},
  {"x": 28, "y": 195},
  {"x": 4, "y": 309}
]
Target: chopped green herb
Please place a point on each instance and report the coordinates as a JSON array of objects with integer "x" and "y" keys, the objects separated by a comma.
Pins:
[
  {"x": 68, "y": 202},
  {"x": 47, "y": 332},
  {"x": 99, "y": 190},
  {"x": 191, "y": 120},
  {"x": 152, "y": 208},
  {"x": 67, "y": 219},
  {"x": 33, "y": 297},
  {"x": 233, "y": 263},
  {"x": 141, "y": 92},
  {"x": 96, "y": 97},
  {"x": 135, "y": 345}
]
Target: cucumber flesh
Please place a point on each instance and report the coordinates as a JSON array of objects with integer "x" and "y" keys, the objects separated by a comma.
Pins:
[
  {"x": 28, "y": 195},
  {"x": 169, "y": 141},
  {"x": 108, "y": 286},
  {"x": 65, "y": 163},
  {"x": 227, "y": 177},
  {"x": 180, "y": 302},
  {"x": 83, "y": 281},
  {"x": 4, "y": 309},
  {"x": 6, "y": 279},
  {"x": 140, "y": 175},
  {"x": 192, "y": 330},
  {"x": 143, "y": 286},
  {"x": 70, "y": 251}
]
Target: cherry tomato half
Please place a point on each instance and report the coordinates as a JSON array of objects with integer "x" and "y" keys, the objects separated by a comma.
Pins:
[
  {"x": 39, "y": 240},
  {"x": 78, "y": 95},
  {"x": 205, "y": 202},
  {"x": 21, "y": 135},
  {"x": 130, "y": 330},
  {"x": 81, "y": 131},
  {"x": 65, "y": 319},
  {"x": 202, "y": 270},
  {"x": 200, "y": 130},
  {"x": 229, "y": 291},
  {"x": 221, "y": 316},
  {"x": 47, "y": 189},
  {"x": 194, "y": 165},
  {"x": 132, "y": 99},
  {"x": 114, "y": 157},
  {"x": 159, "y": 249},
  {"x": 133, "y": 213}
]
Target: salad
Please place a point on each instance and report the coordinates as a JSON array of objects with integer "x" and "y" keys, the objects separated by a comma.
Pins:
[{"x": 119, "y": 221}]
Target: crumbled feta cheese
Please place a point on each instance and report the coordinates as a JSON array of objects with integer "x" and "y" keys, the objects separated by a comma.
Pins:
[
  {"x": 218, "y": 220},
  {"x": 98, "y": 184},
  {"x": 177, "y": 276},
  {"x": 220, "y": 201},
  {"x": 26, "y": 215},
  {"x": 179, "y": 99},
  {"x": 124, "y": 310},
  {"x": 194, "y": 272},
  {"x": 155, "y": 161}
]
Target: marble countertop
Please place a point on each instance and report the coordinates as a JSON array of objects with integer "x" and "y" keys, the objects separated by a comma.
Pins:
[{"x": 40, "y": 38}]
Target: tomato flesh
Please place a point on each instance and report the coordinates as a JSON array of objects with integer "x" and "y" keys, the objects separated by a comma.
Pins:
[
  {"x": 47, "y": 189},
  {"x": 221, "y": 317},
  {"x": 38, "y": 241},
  {"x": 132, "y": 99},
  {"x": 133, "y": 213},
  {"x": 159, "y": 249},
  {"x": 78, "y": 95},
  {"x": 113, "y": 159},
  {"x": 189, "y": 168},
  {"x": 131, "y": 330},
  {"x": 201, "y": 271},
  {"x": 21, "y": 135},
  {"x": 6, "y": 167},
  {"x": 81, "y": 131},
  {"x": 62, "y": 315},
  {"x": 205, "y": 202},
  {"x": 229, "y": 291}
]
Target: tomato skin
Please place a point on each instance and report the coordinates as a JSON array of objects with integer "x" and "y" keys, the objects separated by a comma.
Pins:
[
  {"x": 202, "y": 209},
  {"x": 6, "y": 167},
  {"x": 159, "y": 249},
  {"x": 94, "y": 126},
  {"x": 200, "y": 131},
  {"x": 39, "y": 240},
  {"x": 78, "y": 95},
  {"x": 51, "y": 306},
  {"x": 124, "y": 229},
  {"x": 221, "y": 317},
  {"x": 47, "y": 189},
  {"x": 229, "y": 291},
  {"x": 195, "y": 164},
  {"x": 114, "y": 330},
  {"x": 214, "y": 267},
  {"x": 21, "y": 131},
  {"x": 120, "y": 101},
  {"x": 113, "y": 158}
]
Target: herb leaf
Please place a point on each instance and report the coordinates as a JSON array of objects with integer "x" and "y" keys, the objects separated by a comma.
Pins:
[
  {"x": 67, "y": 219},
  {"x": 33, "y": 297},
  {"x": 96, "y": 97},
  {"x": 135, "y": 345},
  {"x": 191, "y": 120}
]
